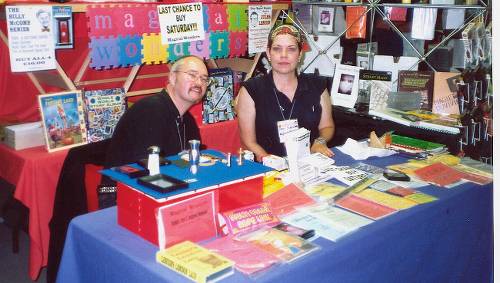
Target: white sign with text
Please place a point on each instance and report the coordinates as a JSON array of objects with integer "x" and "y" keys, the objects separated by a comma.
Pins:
[
  {"x": 31, "y": 41},
  {"x": 259, "y": 26},
  {"x": 181, "y": 22}
]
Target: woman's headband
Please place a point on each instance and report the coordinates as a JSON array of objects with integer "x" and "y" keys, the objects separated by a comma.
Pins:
[{"x": 286, "y": 29}]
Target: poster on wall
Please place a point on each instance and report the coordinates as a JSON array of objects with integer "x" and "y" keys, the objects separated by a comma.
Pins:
[
  {"x": 345, "y": 85},
  {"x": 30, "y": 34},
  {"x": 181, "y": 22},
  {"x": 259, "y": 25},
  {"x": 326, "y": 16},
  {"x": 62, "y": 25}
]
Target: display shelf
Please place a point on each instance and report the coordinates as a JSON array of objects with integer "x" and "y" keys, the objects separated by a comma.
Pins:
[
  {"x": 376, "y": 8},
  {"x": 439, "y": 6},
  {"x": 465, "y": 142}
]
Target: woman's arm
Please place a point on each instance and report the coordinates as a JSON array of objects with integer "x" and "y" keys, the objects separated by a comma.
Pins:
[
  {"x": 245, "y": 108},
  {"x": 326, "y": 127}
]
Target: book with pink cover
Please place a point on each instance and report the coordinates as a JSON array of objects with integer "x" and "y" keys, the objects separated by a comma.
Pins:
[
  {"x": 288, "y": 199},
  {"x": 364, "y": 207},
  {"x": 476, "y": 178},
  {"x": 283, "y": 245},
  {"x": 191, "y": 219},
  {"x": 439, "y": 174},
  {"x": 247, "y": 218},
  {"x": 247, "y": 257},
  {"x": 400, "y": 191}
]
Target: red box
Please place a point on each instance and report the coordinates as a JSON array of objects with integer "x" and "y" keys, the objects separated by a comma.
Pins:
[{"x": 136, "y": 210}]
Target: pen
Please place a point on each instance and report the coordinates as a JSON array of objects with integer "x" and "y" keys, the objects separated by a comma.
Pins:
[
  {"x": 418, "y": 155},
  {"x": 358, "y": 187}
]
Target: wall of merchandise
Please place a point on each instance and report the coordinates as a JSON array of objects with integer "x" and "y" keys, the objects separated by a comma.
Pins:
[{"x": 442, "y": 51}]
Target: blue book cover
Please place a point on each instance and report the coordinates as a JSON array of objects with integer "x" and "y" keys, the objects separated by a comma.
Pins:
[
  {"x": 218, "y": 104},
  {"x": 103, "y": 110}
]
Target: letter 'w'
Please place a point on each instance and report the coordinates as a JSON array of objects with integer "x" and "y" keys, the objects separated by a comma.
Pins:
[{"x": 104, "y": 52}]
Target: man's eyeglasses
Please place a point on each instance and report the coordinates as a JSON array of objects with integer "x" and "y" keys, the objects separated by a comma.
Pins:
[{"x": 194, "y": 77}]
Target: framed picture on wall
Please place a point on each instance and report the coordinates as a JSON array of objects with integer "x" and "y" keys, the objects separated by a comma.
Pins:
[
  {"x": 345, "y": 85},
  {"x": 326, "y": 16}
]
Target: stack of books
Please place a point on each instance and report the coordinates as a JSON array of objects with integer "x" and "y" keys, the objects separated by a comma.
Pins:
[{"x": 414, "y": 145}]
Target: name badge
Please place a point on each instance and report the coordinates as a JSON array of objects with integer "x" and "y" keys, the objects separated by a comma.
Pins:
[{"x": 287, "y": 126}]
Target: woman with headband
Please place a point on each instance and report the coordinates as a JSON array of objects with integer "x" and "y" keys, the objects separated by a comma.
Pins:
[{"x": 271, "y": 105}]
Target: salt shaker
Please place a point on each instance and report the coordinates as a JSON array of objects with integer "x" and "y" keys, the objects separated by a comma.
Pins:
[{"x": 154, "y": 160}]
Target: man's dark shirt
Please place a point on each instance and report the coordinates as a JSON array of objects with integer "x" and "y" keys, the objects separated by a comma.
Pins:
[{"x": 153, "y": 120}]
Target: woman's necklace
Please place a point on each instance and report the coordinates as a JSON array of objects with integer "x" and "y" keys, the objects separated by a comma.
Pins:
[
  {"x": 281, "y": 107},
  {"x": 279, "y": 104}
]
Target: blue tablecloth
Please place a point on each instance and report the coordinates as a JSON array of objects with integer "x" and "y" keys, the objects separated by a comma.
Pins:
[{"x": 450, "y": 240}]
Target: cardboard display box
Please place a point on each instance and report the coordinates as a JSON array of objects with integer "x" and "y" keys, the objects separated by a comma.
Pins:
[{"x": 23, "y": 136}]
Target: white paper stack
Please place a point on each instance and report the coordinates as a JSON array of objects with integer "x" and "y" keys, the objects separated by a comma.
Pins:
[
  {"x": 424, "y": 23},
  {"x": 311, "y": 167},
  {"x": 297, "y": 146},
  {"x": 23, "y": 136}
]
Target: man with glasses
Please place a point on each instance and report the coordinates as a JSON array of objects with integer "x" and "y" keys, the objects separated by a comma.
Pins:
[{"x": 161, "y": 119}]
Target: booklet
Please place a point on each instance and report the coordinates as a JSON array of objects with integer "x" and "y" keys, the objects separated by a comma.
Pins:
[
  {"x": 321, "y": 228},
  {"x": 280, "y": 244},
  {"x": 248, "y": 258},
  {"x": 195, "y": 262},
  {"x": 288, "y": 199},
  {"x": 439, "y": 174},
  {"x": 391, "y": 201},
  {"x": 324, "y": 191},
  {"x": 421, "y": 198},
  {"x": 247, "y": 218},
  {"x": 340, "y": 218},
  {"x": 364, "y": 207}
]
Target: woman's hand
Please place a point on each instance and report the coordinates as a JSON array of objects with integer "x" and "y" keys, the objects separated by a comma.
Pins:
[{"x": 321, "y": 148}]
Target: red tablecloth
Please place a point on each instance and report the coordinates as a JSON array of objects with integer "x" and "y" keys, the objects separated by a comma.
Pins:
[{"x": 34, "y": 172}]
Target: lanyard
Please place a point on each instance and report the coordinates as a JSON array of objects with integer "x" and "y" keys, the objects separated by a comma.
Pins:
[
  {"x": 182, "y": 141},
  {"x": 281, "y": 108}
]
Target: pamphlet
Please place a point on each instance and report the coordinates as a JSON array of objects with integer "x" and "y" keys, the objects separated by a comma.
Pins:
[
  {"x": 421, "y": 198},
  {"x": 386, "y": 199},
  {"x": 247, "y": 218},
  {"x": 288, "y": 199},
  {"x": 248, "y": 258},
  {"x": 307, "y": 221},
  {"x": 340, "y": 218},
  {"x": 191, "y": 219},
  {"x": 323, "y": 191},
  {"x": 364, "y": 207},
  {"x": 280, "y": 244}
]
